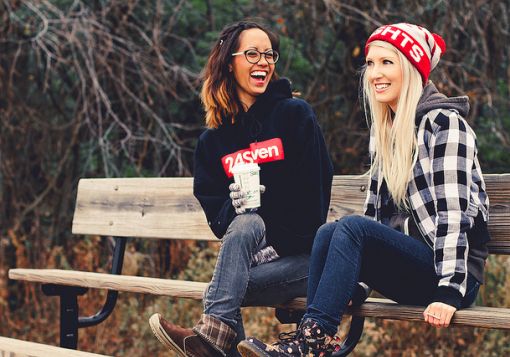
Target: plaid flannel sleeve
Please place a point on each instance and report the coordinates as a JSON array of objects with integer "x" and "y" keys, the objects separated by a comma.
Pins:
[{"x": 452, "y": 152}]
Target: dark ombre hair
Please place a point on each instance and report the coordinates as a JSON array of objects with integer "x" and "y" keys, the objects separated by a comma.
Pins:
[{"x": 219, "y": 95}]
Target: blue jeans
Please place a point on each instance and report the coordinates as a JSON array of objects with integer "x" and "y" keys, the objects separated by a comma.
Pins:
[
  {"x": 237, "y": 283},
  {"x": 357, "y": 248}
]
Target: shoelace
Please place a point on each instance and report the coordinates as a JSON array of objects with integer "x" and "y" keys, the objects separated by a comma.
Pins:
[{"x": 289, "y": 336}]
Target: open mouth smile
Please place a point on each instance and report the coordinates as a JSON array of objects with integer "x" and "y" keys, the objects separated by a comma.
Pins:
[{"x": 259, "y": 76}]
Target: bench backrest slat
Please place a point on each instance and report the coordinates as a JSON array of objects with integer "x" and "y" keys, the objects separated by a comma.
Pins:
[{"x": 166, "y": 208}]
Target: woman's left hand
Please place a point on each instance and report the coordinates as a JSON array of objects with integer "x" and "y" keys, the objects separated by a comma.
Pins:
[{"x": 439, "y": 314}]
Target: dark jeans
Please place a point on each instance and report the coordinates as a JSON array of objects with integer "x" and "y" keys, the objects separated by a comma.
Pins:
[{"x": 357, "y": 248}]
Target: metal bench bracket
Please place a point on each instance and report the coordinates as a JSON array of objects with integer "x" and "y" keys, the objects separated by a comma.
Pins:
[{"x": 70, "y": 321}]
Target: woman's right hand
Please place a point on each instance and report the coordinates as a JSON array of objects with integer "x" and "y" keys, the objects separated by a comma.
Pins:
[
  {"x": 238, "y": 198},
  {"x": 439, "y": 314}
]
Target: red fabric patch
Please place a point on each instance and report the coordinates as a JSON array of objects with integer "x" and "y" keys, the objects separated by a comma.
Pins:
[{"x": 258, "y": 152}]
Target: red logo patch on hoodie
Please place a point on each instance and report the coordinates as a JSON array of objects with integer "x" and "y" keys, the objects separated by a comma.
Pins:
[{"x": 258, "y": 152}]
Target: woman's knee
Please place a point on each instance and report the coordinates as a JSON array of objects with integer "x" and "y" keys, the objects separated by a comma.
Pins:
[
  {"x": 323, "y": 235},
  {"x": 248, "y": 226},
  {"x": 351, "y": 227},
  {"x": 353, "y": 222}
]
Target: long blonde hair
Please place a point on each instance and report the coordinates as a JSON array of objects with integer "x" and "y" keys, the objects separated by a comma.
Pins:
[{"x": 395, "y": 136}]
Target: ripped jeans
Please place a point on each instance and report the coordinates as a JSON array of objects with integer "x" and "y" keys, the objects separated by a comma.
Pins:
[{"x": 237, "y": 282}]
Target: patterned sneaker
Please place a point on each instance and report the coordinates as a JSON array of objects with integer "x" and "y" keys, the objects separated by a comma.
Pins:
[
  {"x": 291, "y": 344},
  {"x": 320, "y": 343}
]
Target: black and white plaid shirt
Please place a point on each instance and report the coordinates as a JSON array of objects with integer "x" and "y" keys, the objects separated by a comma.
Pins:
[{"x": 445, "y": 194}]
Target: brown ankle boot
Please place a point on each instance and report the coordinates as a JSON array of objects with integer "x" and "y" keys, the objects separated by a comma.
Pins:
[{"x": 210, "y": 338}]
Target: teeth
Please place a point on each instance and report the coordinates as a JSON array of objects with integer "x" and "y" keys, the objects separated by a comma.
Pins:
[
  {"x": 258, "y": 74},
  {"x": 381, "y": 86}
]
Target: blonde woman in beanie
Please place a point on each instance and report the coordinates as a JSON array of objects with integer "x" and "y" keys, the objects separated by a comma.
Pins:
[{"x": 422, "y": 240}]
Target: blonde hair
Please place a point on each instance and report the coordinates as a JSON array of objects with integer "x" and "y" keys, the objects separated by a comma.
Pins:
[{"x": 395, "y": 143}]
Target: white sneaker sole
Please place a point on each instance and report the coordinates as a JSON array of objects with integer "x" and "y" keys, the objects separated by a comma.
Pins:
[{"x": 162, "y": 336}]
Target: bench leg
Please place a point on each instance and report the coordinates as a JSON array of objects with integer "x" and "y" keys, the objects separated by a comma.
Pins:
[
  {"x": 68, "y": 312},
  {"x": 352, "y": 338}
]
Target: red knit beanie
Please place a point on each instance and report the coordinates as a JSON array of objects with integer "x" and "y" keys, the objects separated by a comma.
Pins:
[{"x": 421, "y": 47}]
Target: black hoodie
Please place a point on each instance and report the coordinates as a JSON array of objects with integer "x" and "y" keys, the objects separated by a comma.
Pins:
[{"x": 282, "y": 135}]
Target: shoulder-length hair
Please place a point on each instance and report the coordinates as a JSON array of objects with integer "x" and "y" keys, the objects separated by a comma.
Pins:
[
  {"x": 395, "y": 143},
  {"x": 219, "y": 96}
]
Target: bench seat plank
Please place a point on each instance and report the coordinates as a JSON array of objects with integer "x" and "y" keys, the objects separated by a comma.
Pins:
[
  {"x": 10, "y": 347},
  {"x": 487, "y": 317}
]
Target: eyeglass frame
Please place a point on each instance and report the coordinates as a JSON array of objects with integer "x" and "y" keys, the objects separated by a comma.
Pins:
[{"x": 260, "y": 55}]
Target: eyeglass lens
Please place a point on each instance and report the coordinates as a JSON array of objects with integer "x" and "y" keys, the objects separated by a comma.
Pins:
[{"x": 253, "y": 56}]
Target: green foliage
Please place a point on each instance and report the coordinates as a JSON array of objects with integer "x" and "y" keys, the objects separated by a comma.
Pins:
[{"x": 494, "y": 131}]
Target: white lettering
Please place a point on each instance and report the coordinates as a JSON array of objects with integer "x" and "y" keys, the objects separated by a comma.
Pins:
[
  {"x": 416, "y": 53},
  {"x": 273, "y": 151},
  {"x": 262, "y": 153},
  {"x": 406, "y": 40},
  {"x": 229, "y": 160},
  {"x": 247, "y": 157},
  {"x": 239, "y": 159},
  {"x": 394, "y": 32}
]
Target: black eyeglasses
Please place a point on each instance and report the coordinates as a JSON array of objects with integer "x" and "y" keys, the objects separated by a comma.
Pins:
[{"x": 253, "y": 56}]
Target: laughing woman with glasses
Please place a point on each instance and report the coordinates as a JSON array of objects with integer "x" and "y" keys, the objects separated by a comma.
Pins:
[{"x": 251, "y": 117}]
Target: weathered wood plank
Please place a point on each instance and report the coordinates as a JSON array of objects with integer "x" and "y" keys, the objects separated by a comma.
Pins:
[
  {"x": 486, "y": 317},
  {"x": 126, "y": 283},
  {"x": 166, "y": 208},
  {"x": 140, "y": 207},
  {"x": 10, "y": 347}
]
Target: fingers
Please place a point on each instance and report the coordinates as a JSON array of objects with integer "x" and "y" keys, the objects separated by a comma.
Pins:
[
  {"x": 235, "y": 195},
  {"x": 240, "y": 210},
  {"x": 439, "y": 314},
  {"x": 238, "y": 203},
  {"x": 234, "y": 187},
  {"x": 262, "y": 189},
  {"x": 238, "y": 198}
]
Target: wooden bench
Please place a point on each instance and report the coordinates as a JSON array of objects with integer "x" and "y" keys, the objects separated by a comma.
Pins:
[
  {"x": 165, "y": 208},
  {"x": 10, "y": 347}
]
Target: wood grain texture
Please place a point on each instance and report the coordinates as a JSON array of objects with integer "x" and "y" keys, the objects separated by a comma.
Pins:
[
  {"x": 126, "y": 283},
  {"x": 166, "y": 207},
  {"x": 10, "y": 347},
  {"x": 486, "y": 317}
]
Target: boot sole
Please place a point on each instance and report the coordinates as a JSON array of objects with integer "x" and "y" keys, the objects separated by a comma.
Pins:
[
  {"x": 247, "y": 349},
  {"x": 162, "y": 336}
]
